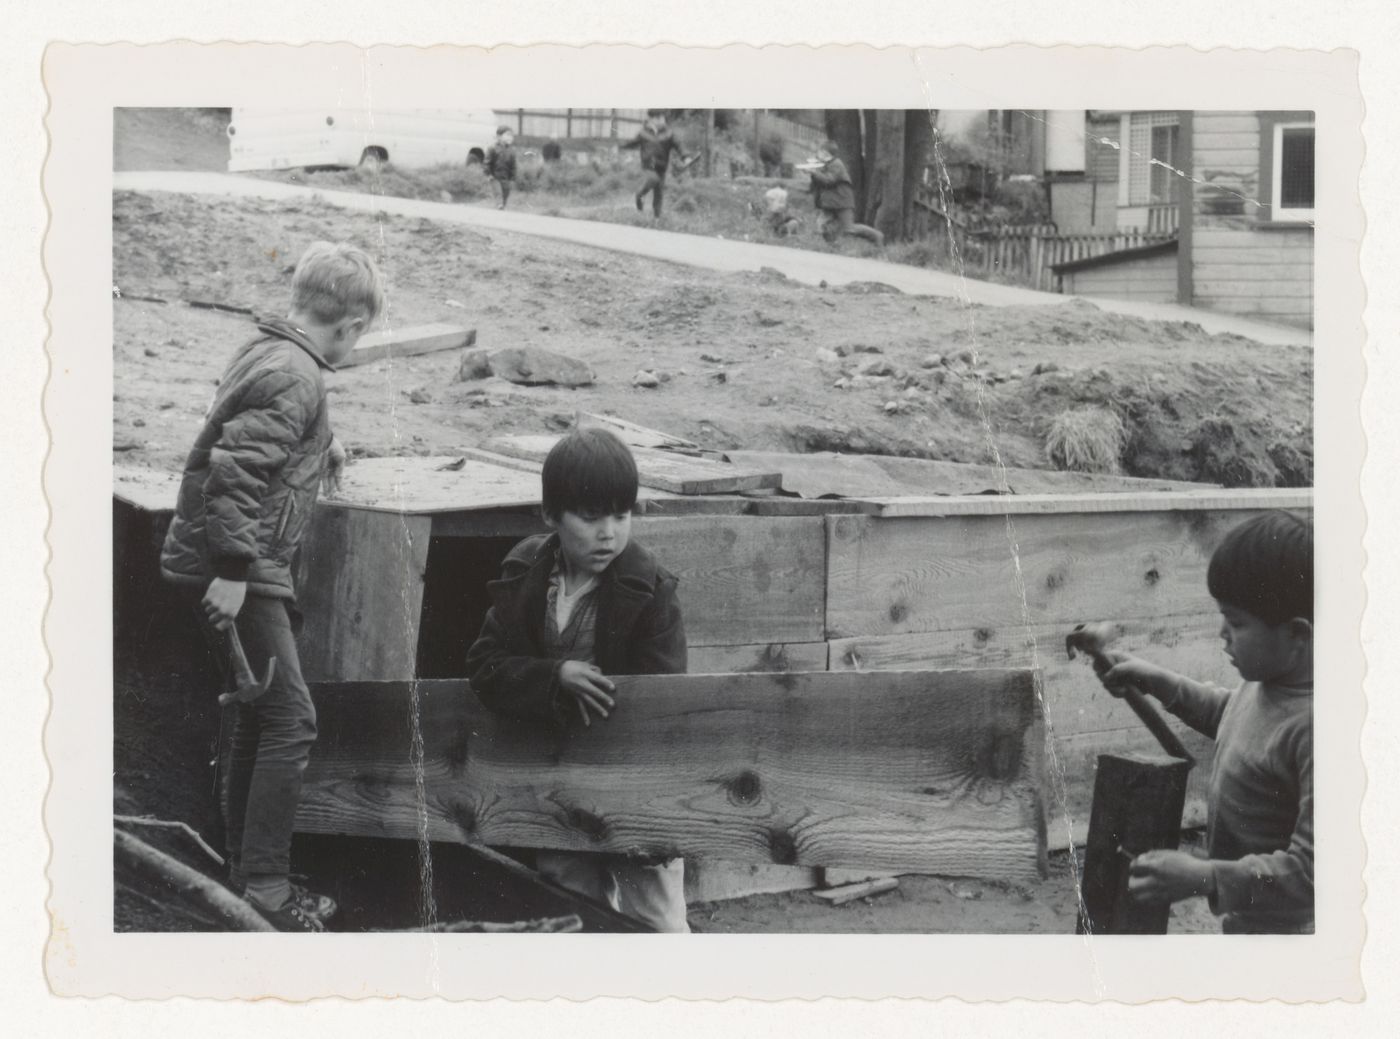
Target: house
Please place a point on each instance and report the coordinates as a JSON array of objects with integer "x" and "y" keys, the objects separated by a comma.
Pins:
[{"x": 1236, "y": 186}]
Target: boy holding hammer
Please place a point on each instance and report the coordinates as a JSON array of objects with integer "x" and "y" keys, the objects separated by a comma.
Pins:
[
  {"x": 249, "y": 487},
  {"x": 1259, "y": 876}
]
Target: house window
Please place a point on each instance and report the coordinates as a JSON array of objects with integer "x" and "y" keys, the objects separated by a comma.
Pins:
[
  {"x": 1293, "y": 171},
  {"x": 1147, "y": 166}
]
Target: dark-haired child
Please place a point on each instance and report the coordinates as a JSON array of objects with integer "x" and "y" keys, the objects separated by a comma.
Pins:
[
  {"x": 655, "y": 142},
  {"x": 1259, "y": 875},
  {"x": 571, "y": 608},
  {"x": 500, "y": 163}
]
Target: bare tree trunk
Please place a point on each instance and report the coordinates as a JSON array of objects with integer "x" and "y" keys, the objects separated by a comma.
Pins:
[
  {"x": 884, "y": 199},
  {"x": 918, "y": 154},
  {"x": 843, "y": 127}
]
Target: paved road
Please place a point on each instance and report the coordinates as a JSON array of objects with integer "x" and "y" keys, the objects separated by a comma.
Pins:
[{"x": 718, "y": 254}]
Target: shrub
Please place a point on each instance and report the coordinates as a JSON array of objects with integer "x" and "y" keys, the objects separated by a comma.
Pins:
[
  {"x": 1087, "y": 439},
  {"x": 551, "y": 151}
]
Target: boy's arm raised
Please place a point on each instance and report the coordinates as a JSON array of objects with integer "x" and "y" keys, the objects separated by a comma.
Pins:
[{"x": 1198, "y": 704}]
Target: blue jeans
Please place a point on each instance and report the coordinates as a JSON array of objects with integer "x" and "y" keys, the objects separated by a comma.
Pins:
[{"x": 272, "y": 738}]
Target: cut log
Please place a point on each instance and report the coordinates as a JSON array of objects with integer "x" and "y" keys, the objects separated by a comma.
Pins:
[
  {"x": 920, "y": 772},
  {"x": 1137, "y": 807},
  {"x": 408, "y": 342},
  {"x": 664, "y": 470}
]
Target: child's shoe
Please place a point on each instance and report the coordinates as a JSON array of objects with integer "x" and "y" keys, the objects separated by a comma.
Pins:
[
  {"x": 317, "y": 906},
  {"x": 291, "y": 918}
]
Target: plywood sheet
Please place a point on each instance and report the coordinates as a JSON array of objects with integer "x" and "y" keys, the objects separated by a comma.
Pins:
[{"x": 667, "y": 471}]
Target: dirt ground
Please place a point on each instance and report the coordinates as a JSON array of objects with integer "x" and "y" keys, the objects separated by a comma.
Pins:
[{"x": 749, "y": 361}]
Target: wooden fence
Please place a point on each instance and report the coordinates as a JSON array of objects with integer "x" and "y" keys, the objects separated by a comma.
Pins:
[{"x": 1025, "y": 253}]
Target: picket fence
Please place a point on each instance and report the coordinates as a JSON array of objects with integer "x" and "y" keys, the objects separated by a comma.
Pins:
[{"x": 1026, "y": 253}]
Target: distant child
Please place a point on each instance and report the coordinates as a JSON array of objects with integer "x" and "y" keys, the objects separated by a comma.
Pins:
[
  {"x": 249, "y": 488},
  {"x": 656, "y": 143},
  {"x": 571, "y": 608},
  {"x": 835, "y": 198},
  {"x": 500, "y": 163},
  {"x": 1260, "y": 828},
  {"x": 779, "y": 220}
]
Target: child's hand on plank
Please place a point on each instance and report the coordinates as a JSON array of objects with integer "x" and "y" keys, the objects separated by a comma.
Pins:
[
  {"x": 223, "y": 600},
  {"x": 335, "y": 467},
  {"x": 1169, "y": 876},
  {"x": 589, "y": 688}
]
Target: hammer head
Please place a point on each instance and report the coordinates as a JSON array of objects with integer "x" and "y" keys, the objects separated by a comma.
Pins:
[
  {"x": 250, "y": 691},
  {"x": 1091, "y": 639}
]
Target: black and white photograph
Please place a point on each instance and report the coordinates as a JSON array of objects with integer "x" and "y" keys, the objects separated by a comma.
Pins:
[{"x": 792, "y": 523}]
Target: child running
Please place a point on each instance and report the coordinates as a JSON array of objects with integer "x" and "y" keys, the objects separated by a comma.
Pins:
[
  {"x": 656, "y": 142},
  {"x": 571, "y": 608},
  {"x": 1259, "y": 832}
]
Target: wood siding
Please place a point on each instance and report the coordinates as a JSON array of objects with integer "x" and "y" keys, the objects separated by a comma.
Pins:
[
  {"x": 1151, "y": 278},
  {"x": 1241, "y": 263}
]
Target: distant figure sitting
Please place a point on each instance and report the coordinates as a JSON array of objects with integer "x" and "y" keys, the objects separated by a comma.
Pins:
[
  {"x": 500, "y": 162},
  {"x": 779, "y": 220},
  {"x": 656, "y": 143},
  {"x": 836, "y": 198}
]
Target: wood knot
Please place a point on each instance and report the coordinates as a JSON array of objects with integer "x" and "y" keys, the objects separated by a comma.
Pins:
[
  {"x": 1152, "y": 576},
  {"x": 782, "y": 848},
  {"x": 592, "y": 826},
  {"x": 983, "y": 635},
  {"x": 1000, "y": 757},
  {"x": 898, "y": 612},
  {"x": 745, "y": 788}
]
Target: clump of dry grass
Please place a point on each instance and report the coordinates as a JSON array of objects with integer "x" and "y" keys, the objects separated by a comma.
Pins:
[{"x": 1087, "y": 439}]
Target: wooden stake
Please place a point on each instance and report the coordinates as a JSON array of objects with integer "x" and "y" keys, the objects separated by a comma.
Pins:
[
  {"x": 1138, "y": 802},
  {"x": 850, "y": 892}
]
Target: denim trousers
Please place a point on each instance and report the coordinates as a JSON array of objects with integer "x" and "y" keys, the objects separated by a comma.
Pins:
[
  {"x": 653, "y": 893},
  {"x": 272, "y": 739},
  {"x": 655, "y": 183}
]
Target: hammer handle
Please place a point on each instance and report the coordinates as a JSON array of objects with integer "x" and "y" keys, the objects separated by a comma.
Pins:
[
  {"x": 1156, "y": 724},
  {"x": 242, "y": 672}
]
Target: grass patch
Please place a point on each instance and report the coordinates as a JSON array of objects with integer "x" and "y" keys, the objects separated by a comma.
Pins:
[{"x": 1086, "y": 439}]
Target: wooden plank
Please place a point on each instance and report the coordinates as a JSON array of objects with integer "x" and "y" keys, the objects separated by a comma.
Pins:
[
  {"x": 1271, "y": 289},
  {"x": 631, "y": 433},
  {"x": 762, "y": 658},
  {"x": 1074, "y": 700},
  {"x": 419, "y": 485},
  {"x": 1137, "y": 807},
  {"x": 891, "y": 576},
  {"x": 744, "y": 579},
  {"x": 1255, "y": 270},
  {"x": 715, "y": 881},
  {"x": 1054, "y": 504},
  {"x": 408, "y": 342},
  {"x": 360, "y": 590},
  {"x": 865, "y": 476},
  {"x": 1266, "y": 253},
  {"x": 680, "y": 474},
  {"x": 150, "y": 490},
  {"x": 933, "y": 772}
]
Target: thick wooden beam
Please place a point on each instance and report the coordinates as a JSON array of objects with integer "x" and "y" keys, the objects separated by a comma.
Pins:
[
  {"x": 1137, "y": 808},
  {"x": 360, "y": 591},
  {"x": 932, "y": 772},
  {"x": 766, "y": 657}
]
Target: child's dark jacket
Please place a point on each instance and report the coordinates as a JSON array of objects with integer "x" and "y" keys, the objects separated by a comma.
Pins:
[
  {"x": 831, "y": 187},
  {"x": 655, "y": 148},
  {"x": 639, "y": 629},
  {"x": 500, "y": 162},
  {"x": 252, "y": 477}
]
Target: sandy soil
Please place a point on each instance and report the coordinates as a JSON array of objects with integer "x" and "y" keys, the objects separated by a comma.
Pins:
[{"x": 750, "y": 361}]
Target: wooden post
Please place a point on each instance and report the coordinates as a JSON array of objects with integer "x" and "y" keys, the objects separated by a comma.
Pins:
[
  {"x": 612, "y": 124},
  {"x": 1138, "y": 801},
  {"x": 568, "y": 122},
  {"x": 520, "y": 121},
  {"x": 709, "y": 134}
]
